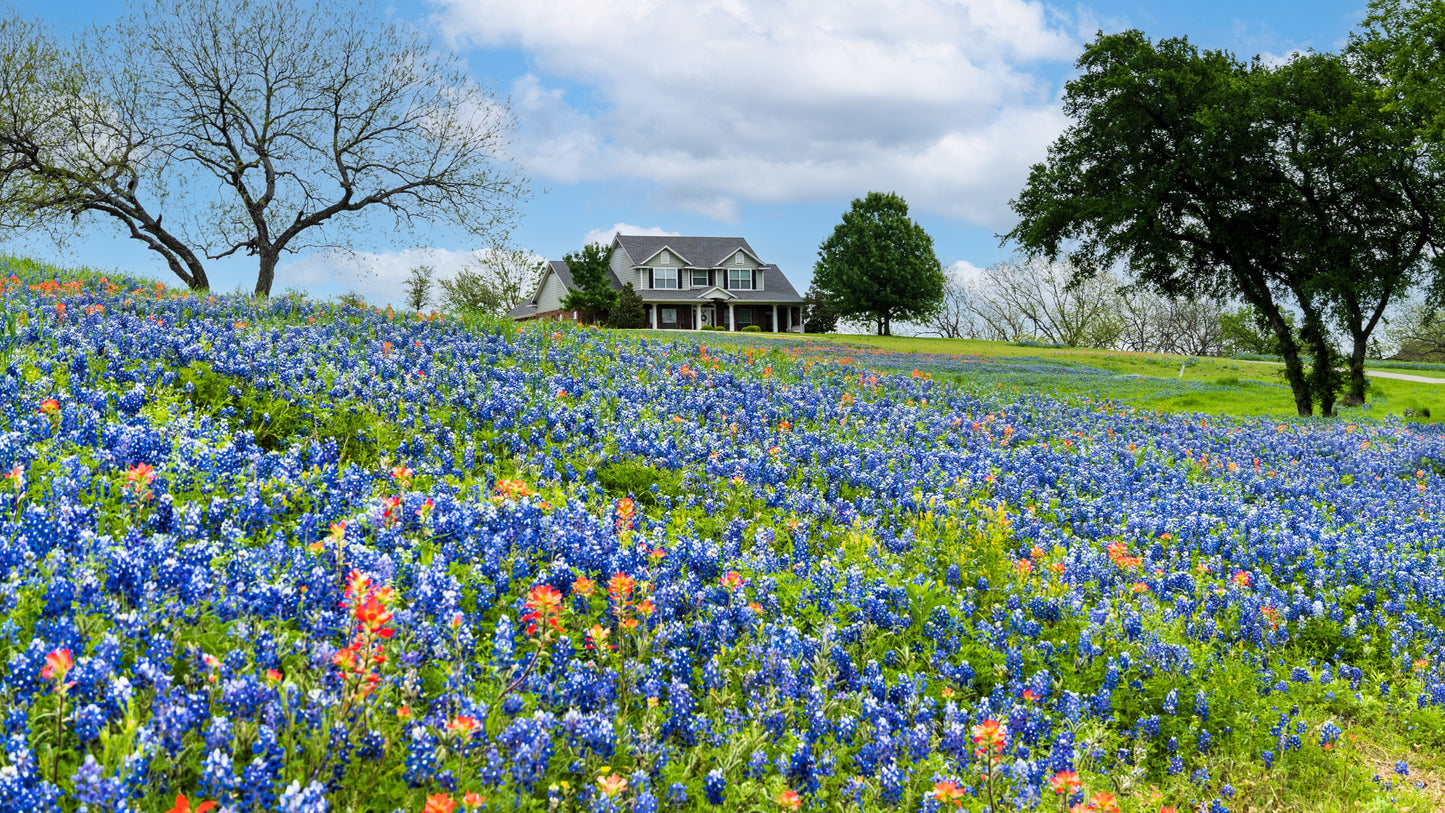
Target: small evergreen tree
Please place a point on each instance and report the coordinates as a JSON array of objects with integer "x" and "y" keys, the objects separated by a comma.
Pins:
[
  {"x": 628, "y": 314},
  {"x": 592, "y": 292}
]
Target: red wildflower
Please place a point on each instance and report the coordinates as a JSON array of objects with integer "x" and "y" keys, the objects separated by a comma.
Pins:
[{"x": 183, "y": 805}]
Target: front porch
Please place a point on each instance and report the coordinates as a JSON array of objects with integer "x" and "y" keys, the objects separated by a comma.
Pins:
[{"x": 771, "y": 318}]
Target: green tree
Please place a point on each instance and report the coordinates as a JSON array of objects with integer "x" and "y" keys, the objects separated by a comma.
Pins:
[
  {"x": 472, "y": 292},
  {"x": 879, "y": 264},
  {"x": 1210, "y": 177},
  {"x": 1405, "y": 39},
  {"x": 819, "y": 315},
  {"x": 1245, "y": 331},
  {"x": 628, "y": 313},
  {"x": 418, "y": 287},
  {"x": 1364, "y": 201},
  {"x": 592, "y": 291},
  {"x": 207, "y": 128}
]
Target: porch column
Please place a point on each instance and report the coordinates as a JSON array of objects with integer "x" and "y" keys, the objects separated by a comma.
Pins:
[
  {"x": 697, "y": 317},
  {"x": 732, "y": 322},
  {"x": 775, "y": 319},
  {"x": 654, "y": 317}
]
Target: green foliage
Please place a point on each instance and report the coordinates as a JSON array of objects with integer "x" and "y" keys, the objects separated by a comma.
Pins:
[
  {"x": 879, "y": 264},
  {"x": 750, "y": 329},
  {"x": 1402, "y": 38},
  {"x": 1301, "y": 141},
  {"x": 418, "y": 287},
  {"x": 276, "y": 422},
  {"x": 1246, "y": 333},
  {"x": 470, "y": 292},
  {"x": 628, "y": 314},
  {"x": 819, "y": 314},
  {"x": 642, "y": 482},
  {"x": 592, "y": 291}
]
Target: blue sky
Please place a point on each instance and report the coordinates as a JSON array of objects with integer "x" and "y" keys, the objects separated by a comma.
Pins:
[{"x": 755, "y": 118}]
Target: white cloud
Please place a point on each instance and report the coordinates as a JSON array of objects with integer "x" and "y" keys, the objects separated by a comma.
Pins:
[
  {"x": 722, "y": 101},
  {"x": 604, "y": 236},
  {"x": 377, "y": 276},
  {"x": 965, "y": 270}
]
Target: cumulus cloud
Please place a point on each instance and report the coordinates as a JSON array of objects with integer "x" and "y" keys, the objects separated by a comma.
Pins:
[
  {"x": 718, "y": 102},
  {"x": 377, "y": 276},
  {"x": 604, "y": 236}
]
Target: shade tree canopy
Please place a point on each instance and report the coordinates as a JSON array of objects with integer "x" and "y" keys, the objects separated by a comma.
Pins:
[
  {"x": 878, "y": 264},
  {"x": 1206, "y": 176}
]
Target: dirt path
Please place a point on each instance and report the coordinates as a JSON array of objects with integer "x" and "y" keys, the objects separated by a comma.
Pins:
[{"x": 1418, "y": 379}]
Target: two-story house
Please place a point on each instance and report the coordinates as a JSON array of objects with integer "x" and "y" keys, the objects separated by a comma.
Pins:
[{"x": 686, "y": 283}]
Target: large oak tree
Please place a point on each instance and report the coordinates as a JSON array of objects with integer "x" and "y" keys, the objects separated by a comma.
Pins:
[
  {"x": 879, "y": 264},
  {"x": 210, "y": 128},
  {"x": 1205, "y": 175}
]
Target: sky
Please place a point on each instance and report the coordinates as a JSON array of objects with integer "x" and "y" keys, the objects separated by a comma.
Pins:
[{"x": 760, "y": 119}]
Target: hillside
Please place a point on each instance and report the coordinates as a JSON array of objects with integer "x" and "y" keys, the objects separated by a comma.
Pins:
[{"x": 288, "y": 555}]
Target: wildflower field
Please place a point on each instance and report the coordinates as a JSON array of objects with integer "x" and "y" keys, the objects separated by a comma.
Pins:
[{"x": 292, "y": 556}]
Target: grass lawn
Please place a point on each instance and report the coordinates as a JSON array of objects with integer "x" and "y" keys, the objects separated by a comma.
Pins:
[{"x": 1150, "y": 381}]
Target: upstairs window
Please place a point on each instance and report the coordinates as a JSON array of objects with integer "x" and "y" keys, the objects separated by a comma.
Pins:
[
  {"x": 664, "y": 278},
  {"x": 740, "y": 279},
  {"x": 738, "y": 258},
  {"x": 662, "y": 257},
  {"x": 699, "y": 278}
]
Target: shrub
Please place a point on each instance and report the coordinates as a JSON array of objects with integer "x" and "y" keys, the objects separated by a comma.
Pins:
[{"x": 752, "y": 329}]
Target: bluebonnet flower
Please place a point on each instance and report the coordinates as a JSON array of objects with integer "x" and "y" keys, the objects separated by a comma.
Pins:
[{"x": 714, "y": 786}]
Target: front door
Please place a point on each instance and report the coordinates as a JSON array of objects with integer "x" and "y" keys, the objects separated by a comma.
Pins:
[{"x": 705, "y": 316}]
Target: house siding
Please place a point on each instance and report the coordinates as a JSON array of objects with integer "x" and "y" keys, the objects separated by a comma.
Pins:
[
  {"x": 619, "y": 262},
  {"x": 748, "y": 262},
  {"x": 549, "y": 298}
]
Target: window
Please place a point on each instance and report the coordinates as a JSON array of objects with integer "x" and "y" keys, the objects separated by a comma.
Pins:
[
  {"x": 664, "y": 278},
  {"x": 662, "y": 257},
  {"x": 740, "y": 279},
  {"x": 743, "y": 316},
  {"x": 738, "y": 258},
  {"x": 699, "y": 278},
  {"x": 667, "y": 318}
]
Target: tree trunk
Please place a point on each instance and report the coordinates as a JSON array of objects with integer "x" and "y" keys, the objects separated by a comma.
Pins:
[
  {"x": 1358, "y": 383},
  {"x": 1293, "y": 368},
  {"x": 266, "y": 276},
  {"x": 1323, "y": 379}
]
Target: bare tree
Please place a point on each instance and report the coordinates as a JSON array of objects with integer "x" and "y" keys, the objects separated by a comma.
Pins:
[
  {"x": 259, "y": 127},
  {"x": 957, "y": 318},
  {"x": 1038, "y": 293},
  {"x": 1150, "y": 323},
  {"x": 1191, "y": 327}
]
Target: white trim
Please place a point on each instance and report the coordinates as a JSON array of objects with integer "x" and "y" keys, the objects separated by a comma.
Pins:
[
  {"x": 684, "y": 261},
  {"x": 744, "y": 250},
  {"x": 716, "y": 292}
]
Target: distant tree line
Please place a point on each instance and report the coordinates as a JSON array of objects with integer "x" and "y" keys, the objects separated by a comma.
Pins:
[{"x": 1033, "y": 300}]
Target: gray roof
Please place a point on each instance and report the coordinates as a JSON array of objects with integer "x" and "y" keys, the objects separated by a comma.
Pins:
[
  {"x": 776, "y": 289},
  {"x": 699, "y": 252},
  {"x": 563, "y": 273}
]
